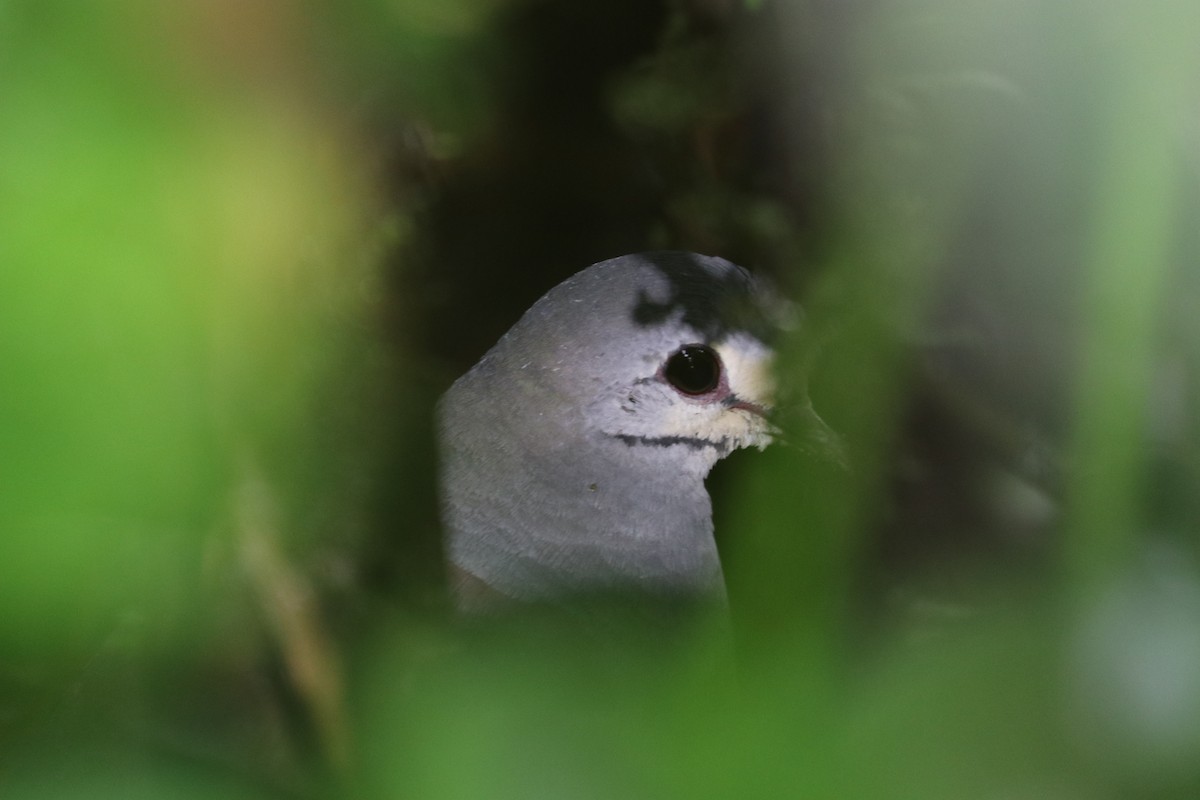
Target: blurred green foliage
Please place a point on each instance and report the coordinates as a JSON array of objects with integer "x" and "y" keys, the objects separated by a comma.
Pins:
[{"x": 243, "y": 246}]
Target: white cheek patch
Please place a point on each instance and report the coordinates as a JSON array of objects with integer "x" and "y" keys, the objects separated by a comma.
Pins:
[
  {"x": 728, "y": 428},
  {"x": 748, "y": 369},
  {"x": 747, "y": 364},
  {"x": 653, "y": 410}
]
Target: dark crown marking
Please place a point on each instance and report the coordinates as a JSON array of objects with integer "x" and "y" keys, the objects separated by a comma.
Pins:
[{"x": 714, "y": 304}]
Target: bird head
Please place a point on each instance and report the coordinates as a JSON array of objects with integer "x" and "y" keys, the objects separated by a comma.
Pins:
[
  {"x": 658, "y": 351},
  {"x": 575, "y": 451}
]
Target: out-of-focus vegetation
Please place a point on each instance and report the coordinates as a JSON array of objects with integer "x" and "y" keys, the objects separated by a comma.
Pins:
[{"x": 243, "y": 247}]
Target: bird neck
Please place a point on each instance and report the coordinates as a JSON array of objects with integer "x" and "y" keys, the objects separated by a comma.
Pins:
[{"x": 571, "y": 511}]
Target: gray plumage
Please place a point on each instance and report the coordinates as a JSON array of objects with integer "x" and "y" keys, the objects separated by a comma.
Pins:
[{"x": 569, "y": 461}]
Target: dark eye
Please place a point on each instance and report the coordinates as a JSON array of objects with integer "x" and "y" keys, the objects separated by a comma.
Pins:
[{"x": 693, "y": 369}]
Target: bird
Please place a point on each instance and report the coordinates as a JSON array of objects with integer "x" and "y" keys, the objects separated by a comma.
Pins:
[{"x": 573, "y": 455}]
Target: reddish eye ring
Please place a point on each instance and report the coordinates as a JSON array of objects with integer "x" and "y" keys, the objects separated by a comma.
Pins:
[{"x": 693, "y": 369}]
